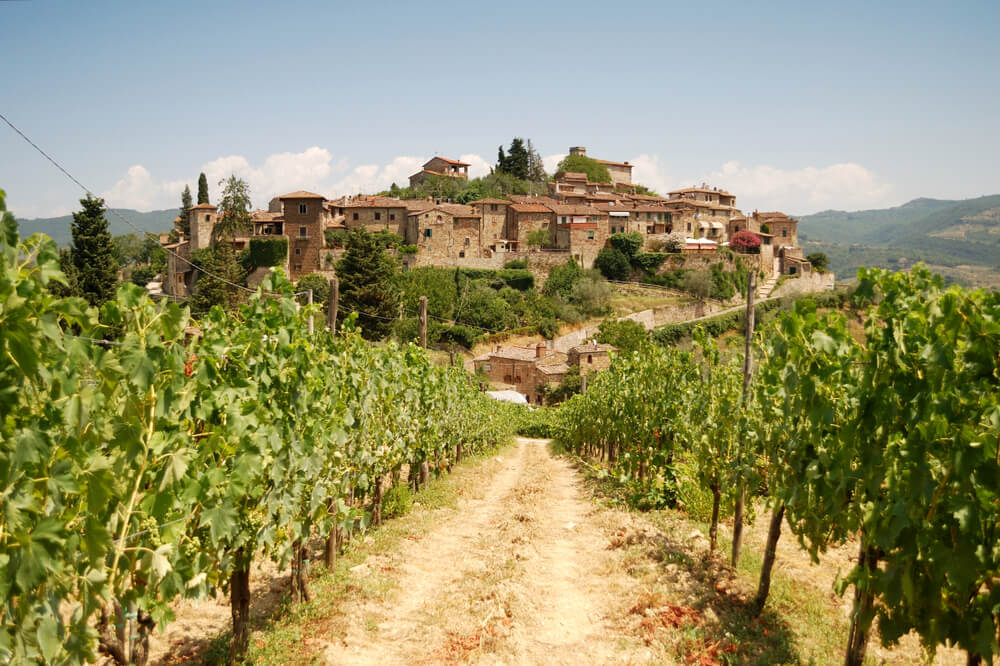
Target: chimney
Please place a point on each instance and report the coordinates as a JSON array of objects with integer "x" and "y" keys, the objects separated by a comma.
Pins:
[{"x": 540, "y": 350}]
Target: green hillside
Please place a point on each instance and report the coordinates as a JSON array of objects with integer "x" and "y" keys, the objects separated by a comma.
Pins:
[
  {"x": 58, "y": 227},
  {"x": 960, "y": 239}
]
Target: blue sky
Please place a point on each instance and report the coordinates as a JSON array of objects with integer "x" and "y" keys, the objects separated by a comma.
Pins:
[{"x": 791, "y": 106}]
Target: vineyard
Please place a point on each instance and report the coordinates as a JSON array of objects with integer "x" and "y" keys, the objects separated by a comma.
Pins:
[
  {"x": 890, "y": 437},
  {"x": 143, "y": 460}
]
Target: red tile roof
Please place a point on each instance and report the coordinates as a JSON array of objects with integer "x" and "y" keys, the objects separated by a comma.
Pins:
[
  {"x": 201, "y": 206},
  {"x": 530, "y": 208},
  {"x": 449, "y": 161},
  {"x": 571, "y": 209}
]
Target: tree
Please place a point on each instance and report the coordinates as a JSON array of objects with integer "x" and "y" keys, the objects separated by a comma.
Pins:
[
  {"x": 674, "y": 242},
  {"x": 202, "y": 189},
  {"x": 219, "y": 273},
  {"x": 93, "y": 253},
  {"x": 613, "y": 264},
  {"x": 536, "y": 168},
  {"x": 320, "y": 288},
  {"x": 539, "y": 238},
  {"x": 517, "y": 160},
  {"x": 698, "y": 284},
  {"x": 234, "y": 208},
  {"x": 596, "y": 172},
  {"x": 562, "y": 278},
  {"x": 185, "y": 224},
  {"x": 368, "y": 285},
  {"x": 628, "y": 244},
  {"x": 128, "y": 249},
  {"x": 818, "y": 261},
  {"x": 625, "y": 335}
]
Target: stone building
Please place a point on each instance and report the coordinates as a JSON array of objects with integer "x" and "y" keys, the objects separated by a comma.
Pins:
[
  {"x": 371, "y": 213},
  {"x": 445, "y": 232},
  {"x": 440, "y": 166},
  {"x": 525, "y": 218},
  {"x": 591, "y": 357},
  {"x": 493, "y": 213},
  {"x": 531, "y": 370},
  {"x": 581, "y": 229},
  {"x": 784, "y": 228},
  {"x": 621, "y": 172}
]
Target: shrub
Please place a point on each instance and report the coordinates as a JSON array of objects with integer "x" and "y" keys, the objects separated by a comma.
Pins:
[
  {"x": 591, "y": 295},
  {"x": 628, "y": 244},
  {"x": 649, "y": 261},
  {"x": 141, "y": 275},
  {"x": 268, "y": 252},
  {"x": 518, "y": 278},
  {"x": 548, "y": 327},
  {"x": 625, "y": 335},
  {"x": 745, "y": 241},
  {"x": 336, "y": 237},
  {"x": 320, "y": 287},
  {"x": 674, "y": 242},
  {"x": 460, "y": 335},
  {"x": 516, "y": 263},
  {"x": 398, "y": 500},
  {"x": 613, "y": 264},
  {"x": 408, "y": 249},
  {"x": 698, "y": 283},
  {"x": 539, "y": 238},
  {"x": 818, "y": 261},
  {"x": 562, "y": 278}
]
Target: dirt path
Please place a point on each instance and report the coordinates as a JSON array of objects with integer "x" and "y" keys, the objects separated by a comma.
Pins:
[{"x": 520, "y": 575}]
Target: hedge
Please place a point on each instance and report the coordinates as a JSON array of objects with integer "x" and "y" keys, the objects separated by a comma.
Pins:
[{"x": 268, "y": 252}]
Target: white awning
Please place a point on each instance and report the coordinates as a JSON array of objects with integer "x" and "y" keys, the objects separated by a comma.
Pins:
[
  {"x": 718, "y": 225},
  {"x": 618, "y": 213},
  {"x": 703, "y": 225}
]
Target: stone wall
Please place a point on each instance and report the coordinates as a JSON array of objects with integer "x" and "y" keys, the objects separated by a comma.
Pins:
[{"x": 804, "y": 284}]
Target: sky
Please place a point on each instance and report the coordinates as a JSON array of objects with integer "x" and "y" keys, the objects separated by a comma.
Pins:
[{"x": 798, "y": 107}]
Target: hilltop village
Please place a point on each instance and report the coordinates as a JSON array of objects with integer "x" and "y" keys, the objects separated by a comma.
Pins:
[{"x": 574, "y": 219}]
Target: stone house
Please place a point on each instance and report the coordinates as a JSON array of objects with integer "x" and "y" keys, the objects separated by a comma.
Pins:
[
  {"x": 581, "y": 229},
  {"x": 591, "y": 357},
  {"x": 445, "y": 232},
  {"x": 530, "y": 370},
  {"x": 493, "y": 213},
  {"x": 440, "y": 166},
  {"x": 371, "y": 213},
  {"x": 781, "y": 226},
  {"x": 525, "y": 218},
  {"x": 706, "y": 194}
]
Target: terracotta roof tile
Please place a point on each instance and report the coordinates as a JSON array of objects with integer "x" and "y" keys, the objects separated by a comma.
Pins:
[
  {"x": 570, "y": 209},
  {"x": 204, "y": 206},
  {"x": 448, "y": 160},
  {"x": 530, "y": 208}
]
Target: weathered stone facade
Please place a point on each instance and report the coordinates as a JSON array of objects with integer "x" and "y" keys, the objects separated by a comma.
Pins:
[
  {"x": 440, "y": 166},
  {"x": 446, "y": 233}
]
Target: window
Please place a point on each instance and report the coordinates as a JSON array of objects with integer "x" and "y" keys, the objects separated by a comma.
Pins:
[
  {"x": 297, "y": 267},
  {"x": 649, "y": 229},
  {"x": 590, "y": 235},
  {"x": 378, "y": 216},
  {"x": 427, "y": 233},
  {"x": 784, "y": 233},
  {"x": 461, "y": 254},
  {"x": 563, "y": 219},
  {"x": 355, "y": 216},
  {"x": 208, "y": 218},
  {"x": 298, "y": 251},
  {"x": 590, "y": 358},
  {"x": 303, "y": 232},
  {"x": 737, "y": 227},
  {"x": 302, "y": 209},
  {"x": 493, "y": 206},
  {"x": 689, "y": 226},
  {"x": 487, "y": 367},
  {"x": 466, "y": 241},
  {"x": 392, "y": 216}
]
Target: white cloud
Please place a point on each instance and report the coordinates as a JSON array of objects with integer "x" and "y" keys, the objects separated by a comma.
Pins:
[
  {"x": 762, "y": 187},
  {"x": 809, "y": 189},
  {"x": 551, "y": 162},
  {"x": 137, "y": 189},
  {"x": 477, "y": 165}
]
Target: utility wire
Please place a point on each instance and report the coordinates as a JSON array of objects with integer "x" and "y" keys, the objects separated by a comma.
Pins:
[{"x": 116, "y": 213}]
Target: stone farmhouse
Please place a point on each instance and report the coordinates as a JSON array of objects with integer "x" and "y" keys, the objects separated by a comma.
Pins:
[
  {"x": 440, "y": 166},
  {"x": 530, "y": 370},
  {"x": 574, "y": 220}
]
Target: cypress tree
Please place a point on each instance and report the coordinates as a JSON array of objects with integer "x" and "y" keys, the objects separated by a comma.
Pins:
[
  {"x": 185, "y": 224},
  {"x": 93, "y": 253},
  {"x": 202, "y": 189},
  {"x": 368, "y": 286}
]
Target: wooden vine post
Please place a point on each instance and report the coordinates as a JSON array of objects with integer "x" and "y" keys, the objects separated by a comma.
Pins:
[{"x": 747, "y": 372}]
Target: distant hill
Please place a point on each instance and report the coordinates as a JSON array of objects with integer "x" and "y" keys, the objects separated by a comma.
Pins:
[
  {"x": 59, "y": 230},
  {"x": 960, "y": 239}
]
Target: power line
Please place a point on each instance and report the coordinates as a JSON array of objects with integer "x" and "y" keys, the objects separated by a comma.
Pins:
[{"x": 116, "y": 213}]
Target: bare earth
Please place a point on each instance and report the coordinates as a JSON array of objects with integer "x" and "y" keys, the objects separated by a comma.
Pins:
[{"x": 521, "y": 575}]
